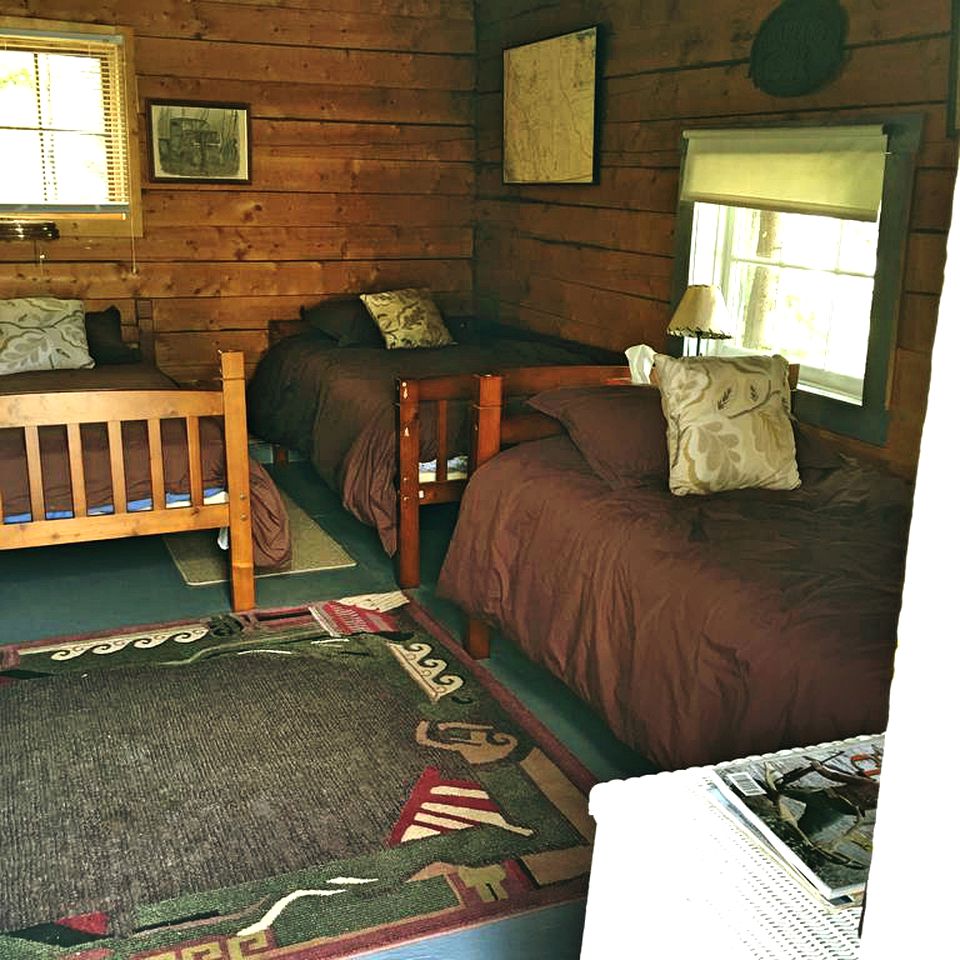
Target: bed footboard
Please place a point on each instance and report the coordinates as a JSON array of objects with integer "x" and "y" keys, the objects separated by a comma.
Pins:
[{"x": 71, "y": 410}]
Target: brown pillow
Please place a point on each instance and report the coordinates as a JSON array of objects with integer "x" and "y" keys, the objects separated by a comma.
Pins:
[
  {"x": 813, "y": 451},
  {"x": 345, "y": 321},
  {"x": 105, "y": 339},
  {"x": 619, "y": 430}
]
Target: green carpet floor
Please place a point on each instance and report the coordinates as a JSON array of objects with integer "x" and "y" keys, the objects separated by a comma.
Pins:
[{"x": 73, "y": 589}]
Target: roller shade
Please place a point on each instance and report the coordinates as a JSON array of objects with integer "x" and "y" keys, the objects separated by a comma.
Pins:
[
  {"x": 63, "y": 124},
  {"x": 836, "y": 171}
]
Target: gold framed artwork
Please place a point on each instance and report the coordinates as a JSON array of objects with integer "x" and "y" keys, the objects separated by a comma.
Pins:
[{"x": 549, "y": 110}]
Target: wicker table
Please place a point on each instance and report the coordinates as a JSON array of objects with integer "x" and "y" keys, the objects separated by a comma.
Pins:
[{"x": 674, "y": 876}]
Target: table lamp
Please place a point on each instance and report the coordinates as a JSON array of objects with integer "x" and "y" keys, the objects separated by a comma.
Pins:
[{"x": 701, "y": 313}]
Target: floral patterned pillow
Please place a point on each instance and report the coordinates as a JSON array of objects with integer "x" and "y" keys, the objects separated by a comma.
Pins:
[
  {"x": 42, "y": 333},
  {"x": 407, "y": 318},
  {"x": 728, "y": 423}
]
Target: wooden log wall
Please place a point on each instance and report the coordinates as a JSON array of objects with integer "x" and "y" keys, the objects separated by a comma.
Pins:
[
  {"x": 594, "y": 262},
  {"x": 363, "y": 167}
]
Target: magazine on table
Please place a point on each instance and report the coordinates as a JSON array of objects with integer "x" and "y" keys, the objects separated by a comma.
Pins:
[{"x": 814, "y": 808}]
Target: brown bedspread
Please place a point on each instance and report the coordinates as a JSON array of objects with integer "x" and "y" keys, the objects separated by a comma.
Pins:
[
  {"x": 272, "y": 546},
  {"x": 336, "y": 405},
  {"x": 701, "y": 628}
]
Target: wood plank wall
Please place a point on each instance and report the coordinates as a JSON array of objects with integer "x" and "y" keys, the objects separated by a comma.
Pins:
[
  {"x": 363, "y": 167},
  {"x": 595, "y": 262}
]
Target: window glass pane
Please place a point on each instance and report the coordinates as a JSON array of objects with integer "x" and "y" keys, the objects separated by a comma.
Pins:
[
  {"x": 80, "y": 162},
  {"x": 795, "y": 284},
  {"x": 858, "y": 247},
  {"x": 71, "y": 92},
  {"x": 22, "y": 180},
  {"x": 18, "y": 101}
]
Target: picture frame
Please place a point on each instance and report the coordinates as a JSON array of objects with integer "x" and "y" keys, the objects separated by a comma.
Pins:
[
  {"x": 550, "y": 109},
  {"x": 198, "y": 141}
]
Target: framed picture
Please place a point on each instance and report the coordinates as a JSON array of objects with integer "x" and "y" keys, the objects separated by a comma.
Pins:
[
  {"x": 199, "y": 142},
  {"x": 549, "y": 110}
]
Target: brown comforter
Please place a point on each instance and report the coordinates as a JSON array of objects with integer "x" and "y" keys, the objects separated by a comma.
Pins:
[
  {"x": 336, "y": 405},
  {"x": 272, "y": 545},
  {"x": 701, "y": 628}
]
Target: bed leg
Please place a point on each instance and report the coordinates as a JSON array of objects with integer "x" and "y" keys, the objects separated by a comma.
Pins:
[
  {"x": 281, "y": 456},
  {"x": 238, "y": 482},
  {"x": 408, "y": 543},
  {"x": 477, "y": 640}
]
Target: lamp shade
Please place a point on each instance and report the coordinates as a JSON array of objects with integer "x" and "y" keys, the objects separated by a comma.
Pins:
[{"x": 701, "y": 312}]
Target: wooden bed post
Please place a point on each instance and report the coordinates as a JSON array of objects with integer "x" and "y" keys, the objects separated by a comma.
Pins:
[
  {"x": 408, "y": 483},
  {"x": 238, "y": 480},
  {"x": 487, "y": 414}
]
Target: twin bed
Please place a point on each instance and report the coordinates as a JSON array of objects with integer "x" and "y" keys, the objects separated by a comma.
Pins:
[
  {"x": 389, "y": 430},
  {"x": 119, "y": 451},
  {"x": 699, "y": 627}
]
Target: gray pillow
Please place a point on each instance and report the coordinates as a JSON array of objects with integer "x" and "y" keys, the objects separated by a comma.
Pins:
[{"x": 42, "y": 333}]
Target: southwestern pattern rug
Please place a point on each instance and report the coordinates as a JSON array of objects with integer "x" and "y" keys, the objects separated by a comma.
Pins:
[{"x": 310, "y": 782}]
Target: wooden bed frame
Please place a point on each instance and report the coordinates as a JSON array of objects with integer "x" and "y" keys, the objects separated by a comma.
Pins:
[
  {"x": 487, "y": 392},
  {"x": 494, "y": 430},
  {"x": 29, "y": 412},
  {"x": 414, "y": 493}
]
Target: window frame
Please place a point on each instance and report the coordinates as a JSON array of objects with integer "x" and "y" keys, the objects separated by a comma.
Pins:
[
  {"x": 96, "y": 225},
  {"x": 868, "y": 421}
]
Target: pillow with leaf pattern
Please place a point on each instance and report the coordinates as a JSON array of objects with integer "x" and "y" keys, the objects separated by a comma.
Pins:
[
  {"x": 407, "y": 318},
  {"x": 728, "y": 423},
  {"x": 42, "y": 333}
]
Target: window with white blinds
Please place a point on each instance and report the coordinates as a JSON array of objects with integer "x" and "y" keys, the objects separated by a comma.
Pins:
[{"x": 63, "y": 125}]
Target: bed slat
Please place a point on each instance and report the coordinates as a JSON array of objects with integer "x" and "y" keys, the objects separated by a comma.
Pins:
[
  {"x": 31, "y": 436},
  {"x": 193, "y": 459},
  {"x": 156, "y": 465},
  {"x": 118, "y": 477},
  {"x": 78, "y": 485},
  {"x": 442, "y": 452}
]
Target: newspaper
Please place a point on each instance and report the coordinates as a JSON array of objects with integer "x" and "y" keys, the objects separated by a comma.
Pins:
[{"x": 814, "y": 808}]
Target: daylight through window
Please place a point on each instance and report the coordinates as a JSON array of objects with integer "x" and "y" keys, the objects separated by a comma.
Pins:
[
  {"x": 63, "y": 130},
  {"x": 786, "y": 223},
  {"x": 795, "y": 284}
]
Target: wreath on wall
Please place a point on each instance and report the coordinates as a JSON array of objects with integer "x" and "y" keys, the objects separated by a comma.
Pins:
[{"x": 799, "y": 48}]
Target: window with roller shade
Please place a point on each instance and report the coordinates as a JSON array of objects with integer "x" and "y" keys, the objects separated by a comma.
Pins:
[
  {"x": 803, "y": 229},
  {"x": 65, "y": 126}
]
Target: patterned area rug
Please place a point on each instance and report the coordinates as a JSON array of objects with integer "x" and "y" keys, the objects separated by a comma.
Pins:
[{"x": 312, "y": 782}]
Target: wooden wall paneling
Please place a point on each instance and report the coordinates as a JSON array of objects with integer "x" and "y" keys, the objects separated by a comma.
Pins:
[
  {"x": 544, "y": 253},
  {"x": 363, "y": 175}
]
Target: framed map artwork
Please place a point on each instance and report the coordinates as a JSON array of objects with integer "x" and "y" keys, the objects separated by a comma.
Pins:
[{"x": 549, "y": 110}]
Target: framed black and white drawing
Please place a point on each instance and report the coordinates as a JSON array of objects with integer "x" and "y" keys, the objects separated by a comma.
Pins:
[
  {"x": 199, "y": 141},
  {"x": 549, "y": 110}
]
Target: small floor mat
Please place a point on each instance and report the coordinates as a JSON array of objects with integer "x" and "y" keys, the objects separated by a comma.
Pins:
[{"x": 201, "y": 562}]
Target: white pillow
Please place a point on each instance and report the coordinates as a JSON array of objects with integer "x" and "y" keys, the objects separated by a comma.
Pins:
[
  {"x": 42, "y": 333},
  {"x": 728, "y": 423}
]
